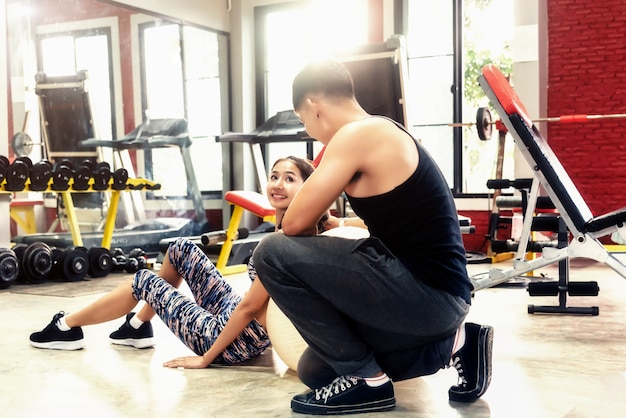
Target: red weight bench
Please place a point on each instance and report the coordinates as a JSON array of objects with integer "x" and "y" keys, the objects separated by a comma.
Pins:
[
  {"x": 253, "y": 202},
  {"x": 583, "y": 230}
]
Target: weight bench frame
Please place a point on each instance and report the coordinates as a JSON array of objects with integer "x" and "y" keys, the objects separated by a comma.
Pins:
[
  {"x": 585, "y": 229},
  {"x": 242, "y": 200}
]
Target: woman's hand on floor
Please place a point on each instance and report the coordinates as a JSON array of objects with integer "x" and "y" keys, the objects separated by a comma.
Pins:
[{"x": 192, "y": 362}]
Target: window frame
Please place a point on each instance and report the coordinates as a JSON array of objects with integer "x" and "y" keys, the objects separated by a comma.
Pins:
[
  {"x": 226, "y": 115},
  {"x": 457, "y": 82},
  {"x": 260, "y": 80}
]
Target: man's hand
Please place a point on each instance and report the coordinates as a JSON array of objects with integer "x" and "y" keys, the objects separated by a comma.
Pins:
[
  {"x": 331, "y": 222},
  {"x": 192, "y": 362},
  {"x": 334, "y": 222}
]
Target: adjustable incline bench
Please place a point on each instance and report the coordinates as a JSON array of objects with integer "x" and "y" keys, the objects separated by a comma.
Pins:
[{"x": 584, "y": 229}]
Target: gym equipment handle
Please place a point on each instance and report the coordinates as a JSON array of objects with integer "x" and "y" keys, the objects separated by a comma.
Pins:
[{"x": 212, "y": 238}]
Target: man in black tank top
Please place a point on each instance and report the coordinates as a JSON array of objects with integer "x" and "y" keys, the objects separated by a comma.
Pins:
[{"x": 388, "y": 307}]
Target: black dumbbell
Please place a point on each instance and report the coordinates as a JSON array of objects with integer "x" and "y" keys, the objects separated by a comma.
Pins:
[
  {"x": 19, "y": 249},
  {"x": 141, "y": 257},
  {"x": 4, "y": 167},
  {"x": 17, "y": 174},
  {"x": 132, "y": 265},
  {"x": 123, "y": 262},
  {"x": 76, "y": 263},
  {"x": 9, "y": 268},
  {"x": 62, "y": 172},
  {"x": 40, "y": 175},
  {"x": 120, "y": 177},
  {"x": 82, "y": 174},
  {"x": 100, "y": 261},
  {"x": 119, "y": 259},
  {"x": 102, "y": 176},
  {"x": 56, "y": 254},
  {"x": 70, "y": 264},
  {"x": 35, "y": 262},
  {"x": 91, "y": 164}
]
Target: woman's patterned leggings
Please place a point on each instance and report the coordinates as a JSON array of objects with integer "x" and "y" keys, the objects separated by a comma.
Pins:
[{"x": 197, "y": 323}]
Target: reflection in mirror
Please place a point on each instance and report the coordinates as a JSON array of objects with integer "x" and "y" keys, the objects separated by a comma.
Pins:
[
  {"x": 181, "y": 75},
  {"x": 63, "y": 54},
  {"x": 137, "y": 65}
]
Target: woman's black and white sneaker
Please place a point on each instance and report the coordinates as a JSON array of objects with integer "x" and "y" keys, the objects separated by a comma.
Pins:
[
  {"x": 52, "y": 337},
  {"x": 345, "y": 395},
  {"x": 473, "y": 363},
  {"x": 142, "y": 337}
]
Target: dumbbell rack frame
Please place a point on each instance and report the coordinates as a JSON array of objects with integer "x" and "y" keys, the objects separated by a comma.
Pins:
[{"x": 132, "y": 184}]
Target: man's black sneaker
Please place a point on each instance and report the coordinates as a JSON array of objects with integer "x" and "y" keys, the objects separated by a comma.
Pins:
[
  {"x": 53, "y": 338},
  {"x": 473, "y": 363},
  {"x": 345, "y": 395},
  {"x": 138, "y": 338}
]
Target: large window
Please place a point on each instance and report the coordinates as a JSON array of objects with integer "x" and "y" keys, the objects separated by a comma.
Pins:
[
  {"x": 448, "y": 42},
  {"x": 184, "y": 75},
  {"x": 289, "y": 35}
]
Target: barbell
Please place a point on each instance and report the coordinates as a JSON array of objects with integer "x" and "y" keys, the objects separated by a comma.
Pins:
[{"x": 484, "y": 122}]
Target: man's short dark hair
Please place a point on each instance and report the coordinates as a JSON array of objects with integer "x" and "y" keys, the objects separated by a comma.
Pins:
[{"x": 330, "y": 78}]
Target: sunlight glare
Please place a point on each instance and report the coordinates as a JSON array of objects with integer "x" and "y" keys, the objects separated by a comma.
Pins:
[
  {"x": 58, "y": 55},
  {"x": 326, "y": 28}
]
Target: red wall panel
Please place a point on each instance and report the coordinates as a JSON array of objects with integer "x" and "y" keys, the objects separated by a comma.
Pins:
[{"x": 587, "y": 52}]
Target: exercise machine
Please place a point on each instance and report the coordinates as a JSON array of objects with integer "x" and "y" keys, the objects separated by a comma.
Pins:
[
  {"x": 152, "y": 134},
  {"x": 580, "y": 231}
]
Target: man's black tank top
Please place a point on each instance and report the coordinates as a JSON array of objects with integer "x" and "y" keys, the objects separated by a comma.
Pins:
[{"x": 417, "y": 221}]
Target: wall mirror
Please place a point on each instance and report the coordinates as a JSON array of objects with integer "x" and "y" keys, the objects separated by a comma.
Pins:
[{"x": 140, "y": 66}]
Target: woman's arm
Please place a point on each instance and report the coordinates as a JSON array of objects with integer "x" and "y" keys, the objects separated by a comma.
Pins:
[{"x": 253, "y": 305}]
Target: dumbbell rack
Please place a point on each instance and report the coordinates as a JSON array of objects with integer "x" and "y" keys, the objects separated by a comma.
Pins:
[
  {"x": 38, "y": 262},
  {"x": 115, "y": 189}
]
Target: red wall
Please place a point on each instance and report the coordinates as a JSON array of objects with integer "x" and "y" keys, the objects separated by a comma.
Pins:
[
  {"x": 587, "y": 54},
  {"x": 480, "y": 220}
]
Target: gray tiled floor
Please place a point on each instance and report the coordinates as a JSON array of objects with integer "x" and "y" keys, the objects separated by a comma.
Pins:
[{"x": 544, "y": 365}]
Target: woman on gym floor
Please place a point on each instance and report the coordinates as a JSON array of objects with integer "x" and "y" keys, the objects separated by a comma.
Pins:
[{"x": 218, "y": 325}]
